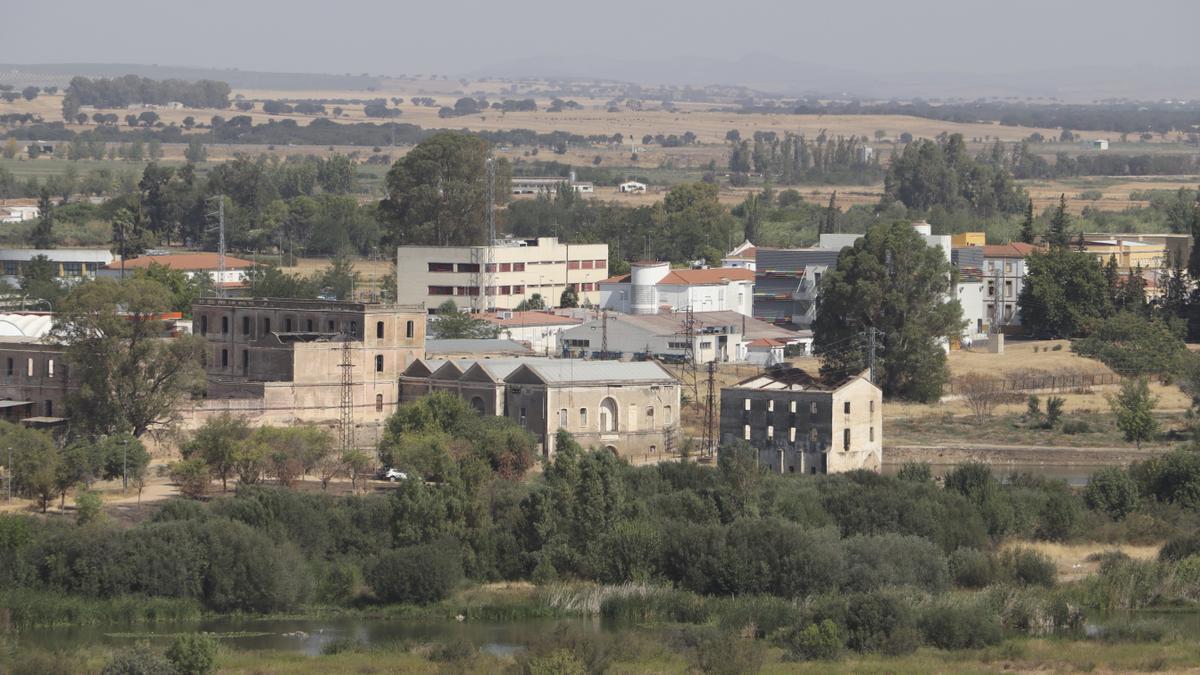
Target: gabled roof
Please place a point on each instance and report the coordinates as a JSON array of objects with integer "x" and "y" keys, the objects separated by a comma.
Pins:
[
  {"x": 795, "y": 379},
  {"x": 712, "y": 275},
  {"x": 495, "y": 370},
  {"x": 1015, "y": 249},
  {"x": 188, "y": 262},
  {"x": 577, "y": 371}
]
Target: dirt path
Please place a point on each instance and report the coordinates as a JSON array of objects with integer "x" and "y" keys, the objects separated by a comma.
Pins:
[{"x": 1017, "y": 454}]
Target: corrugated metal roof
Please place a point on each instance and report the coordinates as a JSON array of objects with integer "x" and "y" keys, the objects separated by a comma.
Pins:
[{"x": 575, "y": 370}]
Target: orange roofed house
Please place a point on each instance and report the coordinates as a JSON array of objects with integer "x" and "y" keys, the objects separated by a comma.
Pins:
[
  {"x": 652, "y": 287},
  {"x": 233, "y": 278}
]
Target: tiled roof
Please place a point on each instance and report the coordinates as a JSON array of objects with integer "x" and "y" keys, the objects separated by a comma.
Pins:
[
  {"x": 1016, "y": 249},
  {"x": 183, "y": 261},
  {"x": 712, "y": 275}
]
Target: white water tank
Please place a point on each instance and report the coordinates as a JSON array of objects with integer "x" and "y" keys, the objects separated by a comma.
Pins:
[
  {"x": 643, "y": 277},
  {"x": 923, "y": 227}
]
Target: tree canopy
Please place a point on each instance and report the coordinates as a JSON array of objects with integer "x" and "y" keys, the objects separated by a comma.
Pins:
[
  {"x": 891, "y": 281},
  {"x": 1063, "y": 291}
]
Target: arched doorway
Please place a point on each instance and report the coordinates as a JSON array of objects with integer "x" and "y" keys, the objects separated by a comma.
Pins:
[
  {"x": 613, "y": 450},
  {"x": 608, "y": 415},
  {"x": 477, "y": 404}
]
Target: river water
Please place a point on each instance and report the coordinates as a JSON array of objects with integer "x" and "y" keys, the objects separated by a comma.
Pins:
[{"x": 308, "y": 636}]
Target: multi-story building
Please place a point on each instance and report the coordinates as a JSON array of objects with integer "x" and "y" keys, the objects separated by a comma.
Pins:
[
  {"x": 232, "y": 277},
  {"x": 520, "y": 268},
  {"x": 800, "y": 424},
  {"x": 653, "y": 287},
  {"x": 34, "y": 380},
  {"x": 70, "y": 264},
  {"x": 1130, "y": 254},
  {"x": 1003, "y": 278},
  {"x": 631, "y": 409},
  {"x": 282, "y": 361}
]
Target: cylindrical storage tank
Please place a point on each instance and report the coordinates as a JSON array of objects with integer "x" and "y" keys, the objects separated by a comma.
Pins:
[
  {"x": 923, "y": 227},
  {"x": 643, "y": 277}
]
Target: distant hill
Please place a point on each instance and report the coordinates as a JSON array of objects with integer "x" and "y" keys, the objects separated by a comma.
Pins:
[{"x": 60, "y": 74}]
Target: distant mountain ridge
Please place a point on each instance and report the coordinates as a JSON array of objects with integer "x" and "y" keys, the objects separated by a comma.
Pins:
[{"x": 61, "y": 73}]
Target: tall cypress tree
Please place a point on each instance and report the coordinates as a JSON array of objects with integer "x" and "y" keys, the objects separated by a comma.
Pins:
[
  {"x": 1057, "y": 236},
  {"x": 1194, "y": 259},
  {"x": 1027, "y": 233}
]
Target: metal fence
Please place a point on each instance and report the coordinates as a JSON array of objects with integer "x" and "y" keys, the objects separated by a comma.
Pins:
[{"x": 1051, "y": 383}]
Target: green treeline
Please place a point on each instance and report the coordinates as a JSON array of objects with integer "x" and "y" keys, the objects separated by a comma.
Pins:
[{"x": 121, "y": 92}]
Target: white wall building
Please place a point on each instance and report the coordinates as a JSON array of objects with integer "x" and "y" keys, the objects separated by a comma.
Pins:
[
  {"x": 191, "y": 264},
  {"x": 537, "y": 330},
  {"x": 522, "y": 267},
  {"x": 1003, "y": 278},
  {"x": 17, "y": 214},
  {"x": 651, "y": 287},
  {"x": 70, "y": 263},
  {"x": 742, "y": 257},
  {"x": 632, "y": 186},
  {"x": 716, "y": 336}
]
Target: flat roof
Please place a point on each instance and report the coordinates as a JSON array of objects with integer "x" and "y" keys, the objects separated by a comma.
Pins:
[
  {"x": 92, "y": 255},
  {"x": 475, "y": 346}
]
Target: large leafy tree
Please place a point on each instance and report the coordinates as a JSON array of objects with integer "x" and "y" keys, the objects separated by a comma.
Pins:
[
  {"x": 697, "y": 225},
  {"x": 130, "y": 377},
  {"x": 1133, "y": 345},
  {"x": 449, "y": 323},
  {"x": 1063, "y": 291},
  {"x": 892, "y": 282},
  {"x": 928, "y": 174},
  {"x": 436, "y": 194}
]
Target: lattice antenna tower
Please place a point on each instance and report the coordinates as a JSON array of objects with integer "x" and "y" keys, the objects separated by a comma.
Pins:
[
  {"x": 219, "y": 214},
  {"x": 346, "y": 421},
  {"x": 689, "y": 352}
]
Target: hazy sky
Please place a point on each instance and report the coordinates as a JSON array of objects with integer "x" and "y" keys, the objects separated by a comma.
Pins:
[{"x": 449, "y": 37}]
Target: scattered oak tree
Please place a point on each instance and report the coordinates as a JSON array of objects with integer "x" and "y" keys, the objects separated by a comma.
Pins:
[{"x": 1134, "y": 407}]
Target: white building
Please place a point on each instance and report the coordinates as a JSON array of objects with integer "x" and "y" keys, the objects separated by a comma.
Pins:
[
  {"x": 69, "y": 263},
  {"x": 191, "y": 264},
  {"x": 535, "y": 329},
  {"x": 521, "y": 268},
  {"x": 532, "y": 185},
  {"x": 651, "y": 287},
  {"x": 17, "y": 214},
  {"x": 741, "y": 257},
  {"x": 970, "y": 293},
  {"x": 632, "y": 186},
  {"x": 715, "y": 336},
  {"x": 839, "y": 241},
  {"x": 1100, "y": 144}
]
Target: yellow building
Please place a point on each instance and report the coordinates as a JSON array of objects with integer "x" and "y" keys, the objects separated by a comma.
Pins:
[
  {"x": 968, "y": 239},
  {"x": 1129, "y": 254}
]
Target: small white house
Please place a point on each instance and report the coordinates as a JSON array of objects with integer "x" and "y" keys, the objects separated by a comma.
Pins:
[
  {"x": 17, "y": 214},
  {"x": 1100, "y": 144},
  {"x": 632, "y": 187}
]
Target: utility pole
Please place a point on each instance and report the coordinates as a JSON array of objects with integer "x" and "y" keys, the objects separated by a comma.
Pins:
[
  {"x": 710, "y": 411},
  {"x": 124, "y": 465},
  {"x": 604, "y": 333},
  {"x": 871, "y": 352}
]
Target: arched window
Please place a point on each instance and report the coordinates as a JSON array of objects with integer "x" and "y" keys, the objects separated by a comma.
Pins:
[
  {"x": 562, "y": 418},
  {"x": 379, "y": 330},
  {"x": 668, "y": 415},
  {"x": 378, "y": 402},
  {"x": 409, "y": 329},
  {"x": 583, "y": 418},
  {"x": 224, "y": 325},
  {"x": 224, "y": 358},
  {"x": 204, "y": 324},
  {"x": 608, "y": 415},
  {"x": 379, "y": 363}
]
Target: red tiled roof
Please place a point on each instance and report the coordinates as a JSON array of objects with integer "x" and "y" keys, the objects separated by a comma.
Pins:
[
  {"x": 747, "y": 254},
  {"x": 183, "y": 261},
  {"x": 712, "y": 275},
  {"x": 531, "y": 318},
  {"x": 767, "y": 342},
  {"x": 1016, "y": 249}
]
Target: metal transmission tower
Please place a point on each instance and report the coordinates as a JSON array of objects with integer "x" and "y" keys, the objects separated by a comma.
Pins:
[
  {"x": 219, "y": 214},
  {"x": 689, "y": 351},
  {"x": 346, "y": 422},
  {"x": 710, "y": 412}
]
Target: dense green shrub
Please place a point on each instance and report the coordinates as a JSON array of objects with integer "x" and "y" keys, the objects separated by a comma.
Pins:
[
  {"x": 894, "y": 560},
  {"x": 814, "y": 642},
  {"x": 951, "y": 626},
  {"x": 1181, "y": 547},
  {"x": 1111, "y": 491},
  {"x": 728, "y": 653},
  {"x": 193, "y": 654},
  {"x": 1029, "y": 567},
  {"x": 416, "y": 574},
  {"x": 138, "y": 660},
  {"x": 881, "y": 622},
  {"x": 970, "y": 568}
]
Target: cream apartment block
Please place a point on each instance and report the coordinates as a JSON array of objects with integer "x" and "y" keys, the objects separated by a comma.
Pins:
[{"x": 520, "y": 268}]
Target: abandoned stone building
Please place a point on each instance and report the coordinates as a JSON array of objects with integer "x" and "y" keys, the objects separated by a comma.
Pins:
[
  {"x": 34, "y": 381},
  {"x": 800, "y": 424},
  {"x": 281, "y": 361},
  {"x": 631, "y": 409}
]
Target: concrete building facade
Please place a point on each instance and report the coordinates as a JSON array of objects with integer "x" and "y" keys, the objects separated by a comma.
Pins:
[
  {"x": 280, "y": 361},
  {"x": 799, "y": 424},
  {"x": 70, "y": 264},
  {"x": 34, "y": 380},
  {"x": 536, "y": 329},
  {"x": 1003, "y": 278},
  {"x": 431, "y": 275}
]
